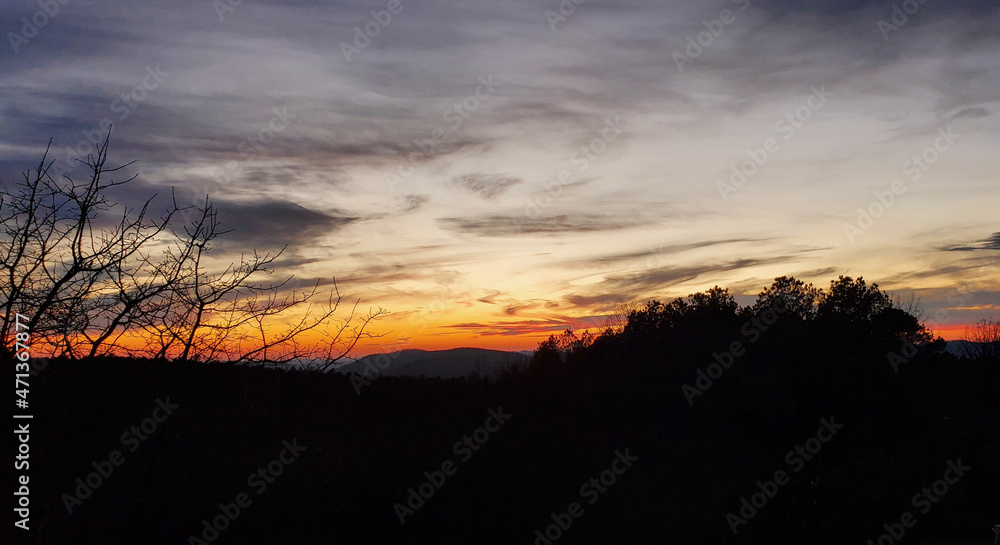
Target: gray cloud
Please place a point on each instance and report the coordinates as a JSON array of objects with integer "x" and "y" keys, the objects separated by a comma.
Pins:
[
  {"x": 510, "y": 328},
  {"x": 373, "y": 110},
  {"x": 520, "y": 224},
  {"x": 973, "y": 113},
  {"x": 991, "y": 242},
  {"x": 605, "y": 300},
  {"x": 412, "y": 203},
  {"x": 657, "y": 253},
  {"x": 631, "y": 285},
  {"x": 273, "y": 224},
  {"x": 486, "y": 186}
]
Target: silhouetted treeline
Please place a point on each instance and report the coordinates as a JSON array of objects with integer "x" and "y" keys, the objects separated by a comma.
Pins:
[{"x": 711, "y": 397}]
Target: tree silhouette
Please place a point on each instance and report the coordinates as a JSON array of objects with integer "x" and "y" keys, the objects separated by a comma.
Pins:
[
  {"x": 61, "y": 271},
  {"x": 851, "y": 305},
  {"x": 853, "y": 300},
  {"x": 617, "y": 319},
  {"x": 983, "y": 340},
  {"x": 796, "y": 297},
  {"x": 90, "y": 290}
]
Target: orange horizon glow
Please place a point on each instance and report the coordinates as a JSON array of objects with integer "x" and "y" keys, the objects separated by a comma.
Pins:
[
  {"x": 392, "y": 334},
  {"x": 951, "y": 332},
  {"x": 513, "y": 343}
]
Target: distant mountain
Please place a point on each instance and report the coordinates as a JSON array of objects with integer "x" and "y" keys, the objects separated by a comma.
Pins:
[
  {"x": 960, "y": 348},
  {"x": 313, "y": 364},
  {"x": 457, "y": 362}
]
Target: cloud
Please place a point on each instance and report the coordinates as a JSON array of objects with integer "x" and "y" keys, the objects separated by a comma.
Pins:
[
  {"x": 526, "y": 327},
  {"x": 486, "y": 186},
  {"x": 518, "y": 223},
  {"x": 650, "y": 282},
  {"x": 603, "y": 300},
  {"x": 853, "y": 8},
  {"x": 656, "y": 254},
  {"x": 273, "y": 224},
  {"x": 973, "y": 113},
  {"x": 991, "y": 242},
  {"x": 412, "y": 203},
  {"x": 653, "y": 279},
  {"x": 491, "y": 298}
]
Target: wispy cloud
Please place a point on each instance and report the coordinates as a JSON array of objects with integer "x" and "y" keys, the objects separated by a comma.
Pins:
[
  {"x": 989, "y": 243},
  {"x": 512, "y": 225},
  {"x": 486, "y": 186}
]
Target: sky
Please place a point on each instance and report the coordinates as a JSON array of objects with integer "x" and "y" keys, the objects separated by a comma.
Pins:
[{"x": 495, "y": 172}]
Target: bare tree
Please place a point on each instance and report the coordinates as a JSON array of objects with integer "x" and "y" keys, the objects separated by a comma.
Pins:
[
  {"x": 909, "y": 304},
  {"x": 616, "y": 321},
  {"x": 230, "y": 315},
  {"x": 982, "y": 340},
  {"x": 92, "y": 290},
  {"x": 58, "y": 268}
]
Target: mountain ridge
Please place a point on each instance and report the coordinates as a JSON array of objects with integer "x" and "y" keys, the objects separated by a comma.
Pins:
[{"x": 448, "y": 363}]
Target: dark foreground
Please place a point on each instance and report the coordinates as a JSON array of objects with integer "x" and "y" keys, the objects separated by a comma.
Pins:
[{"x": 841, "y": 449}]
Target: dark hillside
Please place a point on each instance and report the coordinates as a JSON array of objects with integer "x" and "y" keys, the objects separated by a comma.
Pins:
[{"x": 869, "y": 439}]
